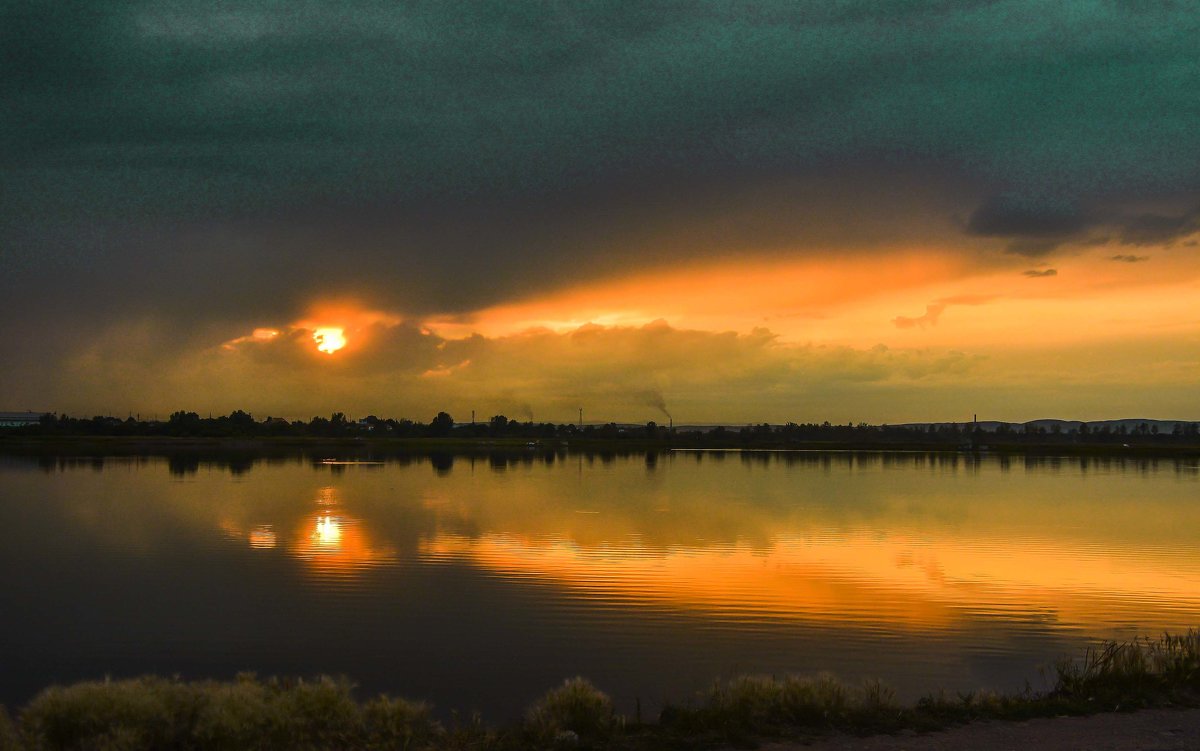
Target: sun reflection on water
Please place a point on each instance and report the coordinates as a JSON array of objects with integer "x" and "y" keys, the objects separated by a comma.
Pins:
[
  {"x": 328, "y": 532},
  {"x": 331, "y": 542}
]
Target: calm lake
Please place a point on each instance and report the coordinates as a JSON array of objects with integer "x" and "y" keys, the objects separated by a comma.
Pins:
[{"x": 478, "y": 583}]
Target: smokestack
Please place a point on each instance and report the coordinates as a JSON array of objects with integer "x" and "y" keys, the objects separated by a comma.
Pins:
[{"x": 655, "y": 399}]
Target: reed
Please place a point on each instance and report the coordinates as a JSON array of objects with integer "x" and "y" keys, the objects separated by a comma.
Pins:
[{"x": 1140, "y": 672}]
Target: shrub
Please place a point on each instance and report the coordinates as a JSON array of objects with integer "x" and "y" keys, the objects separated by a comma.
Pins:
[
  {"x": 235, "y": 716},
  {"x": 154, "y": 713},
  {"x": 577, "y": 706},
  {"x": 9, "y": 740},
  {"x": 398, "y": 724},
  {"x": 252, "y": 715},
  {"x": 134, "y": 714},
  {"x": 320, "y": 714}
]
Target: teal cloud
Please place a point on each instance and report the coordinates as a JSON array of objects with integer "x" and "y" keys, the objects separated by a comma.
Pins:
[{"x": 457, "y": 153}]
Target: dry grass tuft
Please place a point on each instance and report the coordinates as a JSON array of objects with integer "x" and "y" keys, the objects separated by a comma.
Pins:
[{"x": 574, "y": 707}]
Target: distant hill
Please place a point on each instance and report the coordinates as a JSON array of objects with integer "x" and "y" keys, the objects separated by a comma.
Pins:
[
  {"x": 991, "y": 426},
  {"x": 1065, "y": 426}
]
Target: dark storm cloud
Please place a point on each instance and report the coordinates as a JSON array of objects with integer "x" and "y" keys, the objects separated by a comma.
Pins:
[
  {"x": 1010, "y": 215},
  {"x": 1034, "y": 247},
  {"x": 1159, "y": 229},
  {"x": 1037, "y": 226},
  {"x": 229, "y": 161}
]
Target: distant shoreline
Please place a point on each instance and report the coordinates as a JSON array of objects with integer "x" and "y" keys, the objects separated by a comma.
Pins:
[{"x": 357, "y": 446}]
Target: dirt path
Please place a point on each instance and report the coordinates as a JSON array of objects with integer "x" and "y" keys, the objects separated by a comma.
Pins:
[{"x": 1149, "y": 730}]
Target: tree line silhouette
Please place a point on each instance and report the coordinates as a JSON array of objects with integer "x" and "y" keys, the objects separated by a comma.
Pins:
[{"x": 241, "y": 424}]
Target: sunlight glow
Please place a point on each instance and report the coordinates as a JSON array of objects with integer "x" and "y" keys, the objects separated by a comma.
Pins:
[
  {"x": 328, "y": 532},
  {"x": 259, "y": 335},
  {"x": 795, "y": 299},
  {"x": 329, "y": 340}
]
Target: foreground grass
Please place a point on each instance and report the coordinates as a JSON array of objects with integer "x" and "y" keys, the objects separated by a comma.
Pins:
[{"x": 248, "y": 713}]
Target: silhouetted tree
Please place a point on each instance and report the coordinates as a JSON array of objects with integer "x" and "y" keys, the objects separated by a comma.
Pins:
[
  {"x": 181, "y": 423},
  {"x": 441, "y": 425}
]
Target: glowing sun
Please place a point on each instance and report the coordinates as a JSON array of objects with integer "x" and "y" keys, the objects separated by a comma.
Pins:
[{"x": 329, "y": 340}]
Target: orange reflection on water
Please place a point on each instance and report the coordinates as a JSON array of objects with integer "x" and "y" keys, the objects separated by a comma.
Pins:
[
  {"x": 862, "y": 578},
  {"x": 328, "y": 533},
  {"x": 262, "y": 536},
  {"x": 331, "y": 542},
  {"x": 739, "y": 583}
]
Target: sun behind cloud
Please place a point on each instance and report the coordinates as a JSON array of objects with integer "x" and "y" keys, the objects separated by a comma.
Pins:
[{"x": 329, "y": 340}]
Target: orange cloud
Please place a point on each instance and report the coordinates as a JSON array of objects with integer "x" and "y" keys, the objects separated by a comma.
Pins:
[
  {"x": 930, "y": 318},
  {"x": 968, "y": 299},
  {"x": 796, "y": 341},
  {"x": 718, "y": 297}
]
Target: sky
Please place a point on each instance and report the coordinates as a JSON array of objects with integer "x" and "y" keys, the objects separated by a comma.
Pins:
[{"x": 842, "y": 210}]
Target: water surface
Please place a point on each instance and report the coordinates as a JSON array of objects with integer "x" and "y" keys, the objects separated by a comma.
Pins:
[{"x": 477, "y": 583}]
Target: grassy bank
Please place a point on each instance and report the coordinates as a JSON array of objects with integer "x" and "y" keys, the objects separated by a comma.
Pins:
[{"x": 248, "y": 713}]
